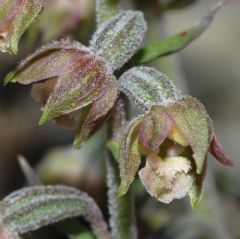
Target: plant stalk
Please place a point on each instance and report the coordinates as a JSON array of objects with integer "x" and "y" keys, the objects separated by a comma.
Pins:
[{"x": 121, "y": 209}]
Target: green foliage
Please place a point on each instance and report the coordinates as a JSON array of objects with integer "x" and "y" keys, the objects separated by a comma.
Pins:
[
  {"x": 31, "y": 208},
  {"x": 179, "y": 41}
]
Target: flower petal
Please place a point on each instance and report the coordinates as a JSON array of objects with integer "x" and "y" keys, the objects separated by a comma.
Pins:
[
  {"x": 146, "y": 86},
  {"x": 97, "y": 113},
  {"x": 118, "y": 40},
  {"x": 217, "y": 151},
  {"x": 197, "y": 189},
  {"x": 129, "y": 155},
  {"x": 155, "y": 127},
  {"x": 192, "y": 120},
  {"x": 166, "y": 180},
  {"x": 81, "y": 84},
  {"x": 49, "y": 61}
]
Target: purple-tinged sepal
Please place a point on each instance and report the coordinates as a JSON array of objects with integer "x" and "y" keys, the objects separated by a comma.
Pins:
[
  {"x": 218, "y": 153},
  {"x": 95, "y": 114},
  {"x": 80, "y": 85},
  {"x": 51, "y": 60},
  {"x": 74, "y": 86}
]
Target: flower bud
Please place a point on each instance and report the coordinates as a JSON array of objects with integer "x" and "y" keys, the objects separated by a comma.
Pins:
[
  {"x": 69, "y": 81},
  {"x": 118, "y": 40},
  {"x": 15, "y": 17},
  {"x": 72, "y": 80}
]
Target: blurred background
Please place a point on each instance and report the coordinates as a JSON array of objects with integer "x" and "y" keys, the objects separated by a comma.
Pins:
[{"x": 209, "y": 69}]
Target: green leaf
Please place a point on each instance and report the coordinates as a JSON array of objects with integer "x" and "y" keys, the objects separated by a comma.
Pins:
[
  {"x": 31, "y": 208},
  {"x": 70, "y": 228},
  {"x": 106, "y": 9},
  {"x": 179, "y": 41}
]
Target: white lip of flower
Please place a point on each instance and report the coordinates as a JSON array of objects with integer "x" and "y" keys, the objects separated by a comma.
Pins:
[{"x": 167, "y": 179}]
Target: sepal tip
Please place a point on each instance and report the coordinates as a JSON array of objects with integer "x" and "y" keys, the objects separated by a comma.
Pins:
[
  {"x": 124, "y": 186},
  {"x": 44, "y": 118},
  {"x": 8, "y": 78}
]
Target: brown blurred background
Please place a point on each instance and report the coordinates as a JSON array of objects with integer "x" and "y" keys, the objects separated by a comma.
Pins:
[{"x": 211, "y": 69}]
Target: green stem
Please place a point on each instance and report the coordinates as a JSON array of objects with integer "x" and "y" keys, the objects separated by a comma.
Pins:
[{"x": 121, "y": 209}]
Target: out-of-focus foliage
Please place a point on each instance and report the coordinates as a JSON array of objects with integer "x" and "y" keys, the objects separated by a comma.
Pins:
[{"x": 60, "y": 18}]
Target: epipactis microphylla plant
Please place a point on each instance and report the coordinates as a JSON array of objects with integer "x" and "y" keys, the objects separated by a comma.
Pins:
[
  {"x": 15, "y": 17},
  {"x": 79, "y": 89}
]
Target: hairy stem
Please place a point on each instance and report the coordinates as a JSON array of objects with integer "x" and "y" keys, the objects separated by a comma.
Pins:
[{"x": 121, "y": 209}]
